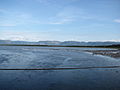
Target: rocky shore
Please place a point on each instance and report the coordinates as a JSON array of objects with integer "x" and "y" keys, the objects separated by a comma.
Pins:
[{"x": 111, "y": 53}]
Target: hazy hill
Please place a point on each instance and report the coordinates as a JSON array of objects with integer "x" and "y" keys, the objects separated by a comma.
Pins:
[{"x": 65, "y": 43}]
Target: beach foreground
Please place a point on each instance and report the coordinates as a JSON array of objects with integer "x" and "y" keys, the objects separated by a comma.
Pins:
[{"x": 25, "y": 57}]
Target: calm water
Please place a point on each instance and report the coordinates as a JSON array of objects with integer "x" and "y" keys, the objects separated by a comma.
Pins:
[{"x": 55, "y": 57}]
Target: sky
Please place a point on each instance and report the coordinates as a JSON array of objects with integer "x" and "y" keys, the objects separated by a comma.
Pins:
[{"x": 60, "y": 20}]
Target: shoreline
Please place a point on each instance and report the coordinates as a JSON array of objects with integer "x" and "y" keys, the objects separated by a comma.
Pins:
[
  {"x": 109, "y": 46},
  {"x": 110, "y": 53},
  {"x": 115, "y": 53}
]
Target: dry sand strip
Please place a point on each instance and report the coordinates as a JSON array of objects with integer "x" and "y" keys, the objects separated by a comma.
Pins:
[{"x": 60, "y": 68}]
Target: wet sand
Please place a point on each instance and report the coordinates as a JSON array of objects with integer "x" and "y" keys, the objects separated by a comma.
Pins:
[{"x": 110, "y": 53}]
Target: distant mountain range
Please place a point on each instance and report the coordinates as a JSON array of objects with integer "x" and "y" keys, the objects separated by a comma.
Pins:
[{"x": 65, "y": 43}]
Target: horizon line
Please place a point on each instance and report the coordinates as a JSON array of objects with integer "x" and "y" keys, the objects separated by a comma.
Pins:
[{"x": 65, "y": 40}]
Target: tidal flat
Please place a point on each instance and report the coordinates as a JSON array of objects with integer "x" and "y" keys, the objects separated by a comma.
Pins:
[
  {"x": 110, "y": 53},
  {"x": 25, "y": 57}
]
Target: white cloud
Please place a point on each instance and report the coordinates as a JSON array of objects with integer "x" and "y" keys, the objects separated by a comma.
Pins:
[
  {"x": 117, "y": 20},
  {"x": 56, "y": 3},
  {"x": 62, "y": 21},
  {"x": 24, "y": 35},
  {"x": 3, "y": 10},
  {"x": 104, "y": 40},
  {"x": 71, "y": 14},
  {"x": 45, "y": 2},
  {"x": 67, "y": 15},
  {"x": 7, "y": 25},
  {"x": 16, "y": 18}
]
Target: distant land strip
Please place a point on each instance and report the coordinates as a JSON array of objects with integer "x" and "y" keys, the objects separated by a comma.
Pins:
[
  {"x": 60, "y": 68},
  {"x": 106, "y": 46}
]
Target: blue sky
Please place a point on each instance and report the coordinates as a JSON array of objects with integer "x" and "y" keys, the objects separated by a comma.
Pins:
[{"x": 78, "y": 20}]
